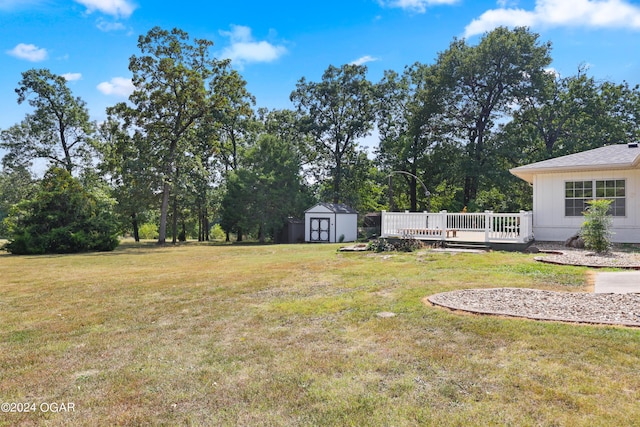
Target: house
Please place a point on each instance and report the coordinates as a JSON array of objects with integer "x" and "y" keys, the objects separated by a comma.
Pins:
[
  {"x": 563, "y": 185},
  {"x": 330, "y": 223}
]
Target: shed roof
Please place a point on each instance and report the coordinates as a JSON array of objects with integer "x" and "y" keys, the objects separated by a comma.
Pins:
[
  {"x": 338, "y": 208},
  {"x": 618, "y": 156}
]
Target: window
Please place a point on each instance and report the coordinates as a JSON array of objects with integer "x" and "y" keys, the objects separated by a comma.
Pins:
[{"x": 578, "y": 193}]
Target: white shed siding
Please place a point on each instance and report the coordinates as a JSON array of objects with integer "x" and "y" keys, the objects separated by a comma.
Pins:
[
  {"x": 347, "y": 226},
  {"x": 550, "y": 222},
  {"x": 340, "y": 224}
]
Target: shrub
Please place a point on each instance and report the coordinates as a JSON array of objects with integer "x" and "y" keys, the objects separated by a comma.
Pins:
[
  {"x": 217, "y": 233},
  {"x": 148, "y": 231},
  {"x": 596, "y": 229},
  {"x": 400, "y": 245},
  {"x": 62, "y": 217}
]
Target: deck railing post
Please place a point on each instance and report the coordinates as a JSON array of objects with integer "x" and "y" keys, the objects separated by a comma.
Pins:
[
  {"x": 488, "y": 225},
  {"x": 525, "y": 226},
  {"x": 443, "y": 224}
]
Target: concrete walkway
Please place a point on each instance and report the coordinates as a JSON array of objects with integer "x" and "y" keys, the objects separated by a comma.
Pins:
[{"x": 627, "y": 282}]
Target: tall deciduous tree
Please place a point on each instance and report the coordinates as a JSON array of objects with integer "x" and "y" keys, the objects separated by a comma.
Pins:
[
  {"x": 59, "y": 128},
  {"x": 127, "y": 160},
  {"x": 170, "y": 78},
  {"x": 572, "y": 114},
  {"x": 338, "y": 111},
  {"x": 261, "y": 195},
  {"x": 483, "y": 83},
  {"x": 230, "y": 125},
  {"x": 232, "y": 117},
  {"x": 409, "y": 124}
]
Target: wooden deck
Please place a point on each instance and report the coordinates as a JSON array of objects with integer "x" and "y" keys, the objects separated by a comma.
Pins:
[{"x": 487, "y": 227}]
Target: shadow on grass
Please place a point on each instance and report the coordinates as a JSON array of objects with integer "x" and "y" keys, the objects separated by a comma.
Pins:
[{"x": 126, "y": 247}]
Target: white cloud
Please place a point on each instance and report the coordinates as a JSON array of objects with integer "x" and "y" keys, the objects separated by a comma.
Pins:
[
  {"x": 419, "y": 6},
  {"x": 363, "y": 60},
  {"x": 70, "y": 77},
  {"x": 117, "y": 8},
  {"x": 552, "y": 71},
  {"x": 561, "y": 13},
  {"x": 29, "y": 52},
  {"x": 117, "y": 86},
  {"x": 244, "y": 49},
  {"x": 107, "y": 26}
]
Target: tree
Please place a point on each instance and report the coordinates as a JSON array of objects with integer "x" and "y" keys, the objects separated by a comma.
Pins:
[
  {"x": 596, "y": 229},
  {"x": 127, "y": 160},
  {"x": 337, "y": 112},
  {"x": 15, "y": 185},
  {"x": 59, "y": 128},
  {"x": 231, "y": 124},
  {"x": 62, "y": 218},
  {"x": 269, "y": 189},
  {"x": 570, "y": 115},
  {"x": 170, "y": 97},
  {"x": 409, "y": 123},
  {"x": 232, "y": 117},
  {"x": 483, "y": 83}
]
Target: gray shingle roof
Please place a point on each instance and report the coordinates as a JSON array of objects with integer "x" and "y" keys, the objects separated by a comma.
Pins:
[
  {"x": 619, "y": 156},
  {"x": 339, "y": 208}
]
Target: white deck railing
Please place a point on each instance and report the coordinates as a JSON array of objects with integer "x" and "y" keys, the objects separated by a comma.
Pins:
[{"x": 487, "y": 226}]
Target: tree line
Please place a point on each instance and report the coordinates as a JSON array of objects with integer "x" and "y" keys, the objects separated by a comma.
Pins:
[{"x": 190, "y": 148}]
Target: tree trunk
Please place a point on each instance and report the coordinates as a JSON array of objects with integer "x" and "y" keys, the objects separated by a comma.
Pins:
[
  {"x": 205, "y": 222},
  {"x": 174, "y": 222},
  {"x": 336, "y": 182},
  {"x": 166, "y": 191},
  {"x": 162, "y": 233},
  {"x": 200, "y": 227},
  {"x": 134, "y": 224},
  {"x": 413, "y": 192}
]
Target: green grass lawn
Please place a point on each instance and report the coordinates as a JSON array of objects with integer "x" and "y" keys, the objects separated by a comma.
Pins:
[{"x": 288, "y": 335}]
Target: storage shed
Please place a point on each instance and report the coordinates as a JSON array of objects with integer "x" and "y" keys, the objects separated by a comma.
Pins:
[
  {"x": 291, "y": 232},
  {"x": 330, "y": 223}
]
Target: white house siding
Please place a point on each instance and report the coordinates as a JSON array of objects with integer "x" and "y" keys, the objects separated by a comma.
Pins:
[{"x": 550, "y": 222}]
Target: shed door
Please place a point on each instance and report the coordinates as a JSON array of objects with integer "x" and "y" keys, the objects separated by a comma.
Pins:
[{"x": 319, "y": 230}]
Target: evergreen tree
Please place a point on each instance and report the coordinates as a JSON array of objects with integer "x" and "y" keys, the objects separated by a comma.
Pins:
[{"x": 62, "y": 217}]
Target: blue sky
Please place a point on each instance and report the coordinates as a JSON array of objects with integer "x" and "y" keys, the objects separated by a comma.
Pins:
[{"x": 275, "y": 43}]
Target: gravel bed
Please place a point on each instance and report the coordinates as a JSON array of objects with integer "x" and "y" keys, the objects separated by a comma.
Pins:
[
  {"x": 613, "y": 309},
  {"x": 556, "y": 253}
]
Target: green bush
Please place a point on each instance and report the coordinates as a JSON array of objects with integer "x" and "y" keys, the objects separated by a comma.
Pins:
[
  {"x": 148, "y": 230},
  {"x": 62, "y": 217},
  {"x": 400, "y": 245},
  {"x": 217, "y": 233},
  {"x": 596, "y": 229}
]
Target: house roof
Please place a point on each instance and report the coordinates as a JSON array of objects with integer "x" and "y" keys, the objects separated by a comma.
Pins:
[
  {"x": 619, "y": 156},
  {"x": 338, "y": 208}
]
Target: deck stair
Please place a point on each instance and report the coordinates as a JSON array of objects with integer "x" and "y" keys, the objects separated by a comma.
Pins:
[{"x": 467, "y": 245}]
